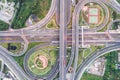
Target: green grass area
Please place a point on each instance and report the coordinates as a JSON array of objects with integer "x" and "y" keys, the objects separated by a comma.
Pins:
[
  {"x": 20, "y": 59},
  {"x": 5, "y": 45},
  {"x": 28, "y": 7},
  {"x": 111, "y": 73},
  {"x": 51, "y": 56},
  {"x": 118, "y": 1},
  {"x": 115, "y": 25},
  {"x": 41, "y": 8},
  {"x": 31, "y": 63},
  {"x": 18, "y": 46},
  {"x": 87, "y": 76},
  {"x": 3, "y": 26},
  {"x": 87, "y": 52},
  {"x": 83, "y": 18},
  {"x": 33, "y": 44},
  {"x": 113, "y": 16},
  {"x": 23, "y": 13},
  {"x": 51, "y": 24}
]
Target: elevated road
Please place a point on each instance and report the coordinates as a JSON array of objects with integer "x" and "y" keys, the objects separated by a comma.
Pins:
[
  {"x": 68, "y": 10},
  {"x": 72, "y": 38},
  {"x": 89, "y": 37},
  {"x": 113, "y": 4},
  {"x": 63, "y": 40}
]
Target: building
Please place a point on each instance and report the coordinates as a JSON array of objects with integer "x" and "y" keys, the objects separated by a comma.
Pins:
[
  {"x": 7, "y": 11},
  {"x": 7, "y": 78},
  {"x": 118, "y": 56},
  {"x": 97, "y": 67},
  {"x": 68, "y": 76},
  {"x": 118, "y": 66}
]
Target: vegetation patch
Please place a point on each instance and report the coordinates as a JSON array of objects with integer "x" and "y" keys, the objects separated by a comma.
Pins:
[
  {"x": 87, "y": 76},
  {"x": 49, "y": 54},
  {"x": 52, "y": 24},
  {"x": 84, "y": 53},
  {"x": 3, "y": 26},
  {"x": 85, "y": 18},
  {"x": 12, "y": 47},
  {"x": 28, "y": 7},
  {"x": 111, "y": 72}
]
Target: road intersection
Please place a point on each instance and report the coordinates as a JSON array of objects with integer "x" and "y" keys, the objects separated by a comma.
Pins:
[{"x": 62, "y": 38}]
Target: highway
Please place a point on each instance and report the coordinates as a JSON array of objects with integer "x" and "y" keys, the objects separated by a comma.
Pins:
[
  {"x": 109, "y": 28},
  {"x": 54, "y": 37},
  {"x": 63, "y": 40},
  {"x": 63, "y": 37},
  {"x": 75, "y": 23},
  {"x": 68, "y": 10}
]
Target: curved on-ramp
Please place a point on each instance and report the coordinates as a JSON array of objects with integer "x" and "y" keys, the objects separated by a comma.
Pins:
[
  {"x": 75, "y": 29},
  {"x": 12, "y": 65},
  {"x": 41, "y": 23},
  {"x": 90, "y": 59},
  {"x": 53, "y": 71},
  {"x": 81, "y": 4}
]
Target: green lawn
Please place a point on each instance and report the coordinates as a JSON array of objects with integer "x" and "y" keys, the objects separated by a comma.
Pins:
[
  {"x": 111, "y": 73},
  {"x": 23, "y": 13},
  {"x": 41, "y": 8},
  {"x": 18, "y": 45},
  {"x": 87, "y": 76},
  {"x": 3, "y": 26},
  {"x": 33, "y": 44},
  {"x": 21, "y": 58},
  {"x": 36, "y": 70},
  {"x": 118, "y": 1},
  {"x": 87, "y": 52},
  {"x": 52, "y": 24},
  {"x": 51, "y": 56},
  {"x": 28, "y": 7},
  {"x": 83, "y": 19}
]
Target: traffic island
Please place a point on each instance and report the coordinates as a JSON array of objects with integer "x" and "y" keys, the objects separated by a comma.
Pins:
[
  {"x": 15, "y": 49},
  {"x": 41, "y": 62},
  {"x": 92, "y": 15},
  {"x": 30, "y": 12}
]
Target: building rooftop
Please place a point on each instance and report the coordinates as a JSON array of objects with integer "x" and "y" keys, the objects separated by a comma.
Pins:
[{"x": 97, "y": 67}]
